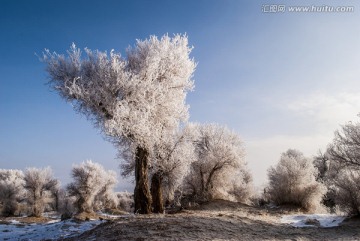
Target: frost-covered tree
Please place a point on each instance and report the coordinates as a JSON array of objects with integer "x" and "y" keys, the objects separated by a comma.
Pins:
[
  {"x": 133, "y": 100},
  {"x": 343, "y": 172},
  {"x": 11, "y": 190},
  {"x": 293, "y": 182},
  {"x": 91, "y": 181},
  {"x": 345, "y": 149},
  {"x": 38, "y": 184},
  {"x": 219, "y": 158}
]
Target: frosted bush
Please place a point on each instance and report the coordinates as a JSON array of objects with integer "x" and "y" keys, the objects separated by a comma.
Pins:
[
  {"x": 92, "y": 186},
  {"x": 38, "y": 184},
  {"x": 218, "y": 169},
  {"x": 11, "y": 190},
  {"x": 293, "y": 182},
  {"x": 242, "y": 189},
  {"x": 125, "y": 201},
  {"x": 347, "y": 191},
  {"x": 66, "y": 204},
  {"x": 106, "y": 199}
]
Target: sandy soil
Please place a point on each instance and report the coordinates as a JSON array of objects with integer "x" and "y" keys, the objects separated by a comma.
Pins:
[{"x": 219, "y": 220}]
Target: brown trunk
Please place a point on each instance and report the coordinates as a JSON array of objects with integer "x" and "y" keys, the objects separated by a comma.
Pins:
[
  {"x": 142, "y": 196},
  {"x": 156, "y": 193}
]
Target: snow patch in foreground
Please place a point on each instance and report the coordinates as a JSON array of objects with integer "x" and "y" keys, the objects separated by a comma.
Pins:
[
  {"x": 313, "y": 220},
  {"x": 68, "y": 228}
]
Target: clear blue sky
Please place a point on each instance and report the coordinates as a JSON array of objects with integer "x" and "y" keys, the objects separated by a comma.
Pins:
[{"x": 281, "y": 80}]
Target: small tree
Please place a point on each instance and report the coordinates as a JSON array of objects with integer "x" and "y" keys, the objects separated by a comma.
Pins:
[
  {"x": 11, "y": 190},
  {"x": 133, "y": 100},
  {"x": 293, "y": 182},
  {"x": 90, "y": 181},
  {"x": 38, "y": 184},
  {"x": 219, "y": 157}
]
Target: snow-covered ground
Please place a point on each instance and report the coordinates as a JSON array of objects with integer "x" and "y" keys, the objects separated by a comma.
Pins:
[
  {"x": 313, "y": 220},
  {"x": 51, "y": 230}
]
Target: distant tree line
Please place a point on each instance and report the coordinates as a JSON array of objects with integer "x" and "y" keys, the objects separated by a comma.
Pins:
[{"x": 36, "y": 190}]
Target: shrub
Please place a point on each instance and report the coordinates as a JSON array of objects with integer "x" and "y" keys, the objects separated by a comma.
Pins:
[
  {"x": 106, "y": 199},
  {"x": 91, "y": 186},
  {"x": 65, "y": 204},
  {"x": 293, "y": 182},
  {"x": 11, "y": 190},
  {"x": 347, "y": 191},
  {"x": 39, "y": 183},
  {"x": 125, "y": 201},
  {"x": 219, "y": 169},
  {"x": 242, "y": 189}
]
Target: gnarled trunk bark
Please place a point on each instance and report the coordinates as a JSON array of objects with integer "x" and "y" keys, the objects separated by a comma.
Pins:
[
  {"x": 156, "y": 193},
  {"x": 142, "y": 196}
]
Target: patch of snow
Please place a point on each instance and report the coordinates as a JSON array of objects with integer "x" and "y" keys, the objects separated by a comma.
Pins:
[
  {"x": 113, "y": 216},
  {"x": 49, "y": 231},
  {"x": 54, "y": 221},
  {"x": 14, "y": 222},
  {"x": 309, "y": 220}
]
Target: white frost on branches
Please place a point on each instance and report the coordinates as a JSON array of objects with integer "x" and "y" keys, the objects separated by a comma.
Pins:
[
  {"x": 107, "y": 198},
  {"x": 171, "y": 159},
  {"x": 219, "y": 161},
  {"x": 293, "y": 182},
  {"x": 342, "y": 172},
  {"x": 39, "y": 184},
  {"x": 134, "y": 99}
]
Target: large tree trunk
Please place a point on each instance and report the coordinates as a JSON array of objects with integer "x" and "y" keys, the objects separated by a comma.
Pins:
[
  {"x": 142, "y": 196},
  {"x": 156, "y": 193}
]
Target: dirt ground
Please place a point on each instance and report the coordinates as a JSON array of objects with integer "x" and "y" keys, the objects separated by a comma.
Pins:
[
  {"x": 219, "y": 220},
  {"x": 25, "y": 220}
]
